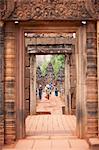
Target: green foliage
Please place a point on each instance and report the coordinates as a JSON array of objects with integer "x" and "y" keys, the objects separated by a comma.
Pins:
[
  {"x": 44, "y": 67},
  {"x": 57, "y": 62}
]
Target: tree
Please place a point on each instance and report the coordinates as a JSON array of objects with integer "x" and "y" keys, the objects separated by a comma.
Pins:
[
  {"x": 57, "y": 62},
  {"x": 44, "y": 67}
]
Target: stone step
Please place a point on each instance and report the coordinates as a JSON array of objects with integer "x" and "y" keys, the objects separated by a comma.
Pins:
[
  {"x": 47, "y": 137},
  {"x": 40, "y": 149},
  {"x": 94, "y": 143}
]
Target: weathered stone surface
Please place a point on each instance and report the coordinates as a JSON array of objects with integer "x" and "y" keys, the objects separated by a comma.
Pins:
[
  {"x": 9, "y": 88},
  {"x": 73, "y": 78},
  {"x": 93, "y": 7},
  {"x": 27, "y": 83},
  {"x": 51, "y": 10},
  {"x": 1, "y": 83},
  {"x": 50, "y": 48},
  {"x": 6, "y": 8},
  {"x": 93, "y": 143},
  {"x": 91, "y": 82},
  {"x": 35, "y": 10}
]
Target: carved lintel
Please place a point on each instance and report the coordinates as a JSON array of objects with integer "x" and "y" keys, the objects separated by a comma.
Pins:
[
  {"x": 93, "y": 8},
  {"x": 49, "y": 10},
  {"x": 6, "y": 8},
  {"x": 52, "y": 10},
  {"x": 52, "y": 49}
]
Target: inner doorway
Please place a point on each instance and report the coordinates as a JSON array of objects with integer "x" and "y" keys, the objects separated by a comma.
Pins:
[
  {"x": 50, "y": 90},
  {"x": 56, "y": 48}
]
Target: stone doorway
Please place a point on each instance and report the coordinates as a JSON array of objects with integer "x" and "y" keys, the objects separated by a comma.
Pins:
[
  {"x": 55, "y": 124},
  {"x": 50, "y": 75},
  {"x": 53, "y": 43},
  {"x": 80, "y": 61}
]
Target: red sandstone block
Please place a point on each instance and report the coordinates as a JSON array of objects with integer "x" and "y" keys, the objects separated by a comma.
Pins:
[{"x": 94, "y": 143}]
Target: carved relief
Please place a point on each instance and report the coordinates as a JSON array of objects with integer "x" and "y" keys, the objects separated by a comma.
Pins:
[
  {"x": 51, "y": 10},
  {"x": 93, "y": 7},
  {"x": 6, "y": 8}
]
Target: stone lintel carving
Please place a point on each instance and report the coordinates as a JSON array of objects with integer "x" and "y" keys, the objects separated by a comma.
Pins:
[
  {"x": 6, "y": 8},
  {"x": 50, "y": 10},
  {"x": 50, "y": 49},
  {"x": 93, "y": 7}
]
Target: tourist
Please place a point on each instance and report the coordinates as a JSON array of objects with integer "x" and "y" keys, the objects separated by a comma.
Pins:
[
  {"x": 47, "y": 90},
  {"x": 36, "y": 92},
  {"x": 40, "y": 91},
  {"x": 56, "y": 91},
  {"x": 50, "y": 87}
]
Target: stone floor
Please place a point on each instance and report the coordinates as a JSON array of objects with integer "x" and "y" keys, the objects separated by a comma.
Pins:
[
  {"x": 50, "y": 144},
  {"x": 53, "y": 105},
  {"x": 53, "y": 131},
  {"x": 51, "y": 125}
]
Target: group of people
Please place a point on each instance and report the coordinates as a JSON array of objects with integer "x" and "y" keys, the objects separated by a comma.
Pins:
[{"x": 48, "y": 91}]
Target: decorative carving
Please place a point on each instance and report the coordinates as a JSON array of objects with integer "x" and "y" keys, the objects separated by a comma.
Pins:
[
  {"x": 50, "y": 48},
  {"x": 6, "y": 8},
  {"x": 93, "y": 7},
  {"x": 51, "y": 10}
]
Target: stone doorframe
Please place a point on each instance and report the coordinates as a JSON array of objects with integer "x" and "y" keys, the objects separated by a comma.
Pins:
[
  {"x": 80, "y": 67},
  {"x": 34, "y": 50},
  {"x": 33, "y": 84}
]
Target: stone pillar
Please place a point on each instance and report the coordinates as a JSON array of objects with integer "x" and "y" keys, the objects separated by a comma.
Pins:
[
  {"x": 68, "y": 79},
  {"x": 27, "y": 83},
  {"x": 32, "y": 84},
  {"x": 73, "y": 81},
  {"x": 67, "y": 86},
  {"x": 20, "y": 83},
  {"x": 80, "y": 54},
  {"x": 1, "y": 83},
  {"x": 9, "y": 87},
  {"x": 98, "y": 69},
  {"x": 91, "y": 81}
]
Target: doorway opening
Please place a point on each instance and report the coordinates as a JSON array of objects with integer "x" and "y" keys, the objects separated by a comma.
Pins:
[
  {"x": 50, "y": 77},
  {"x": 59, "y": 118}
]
